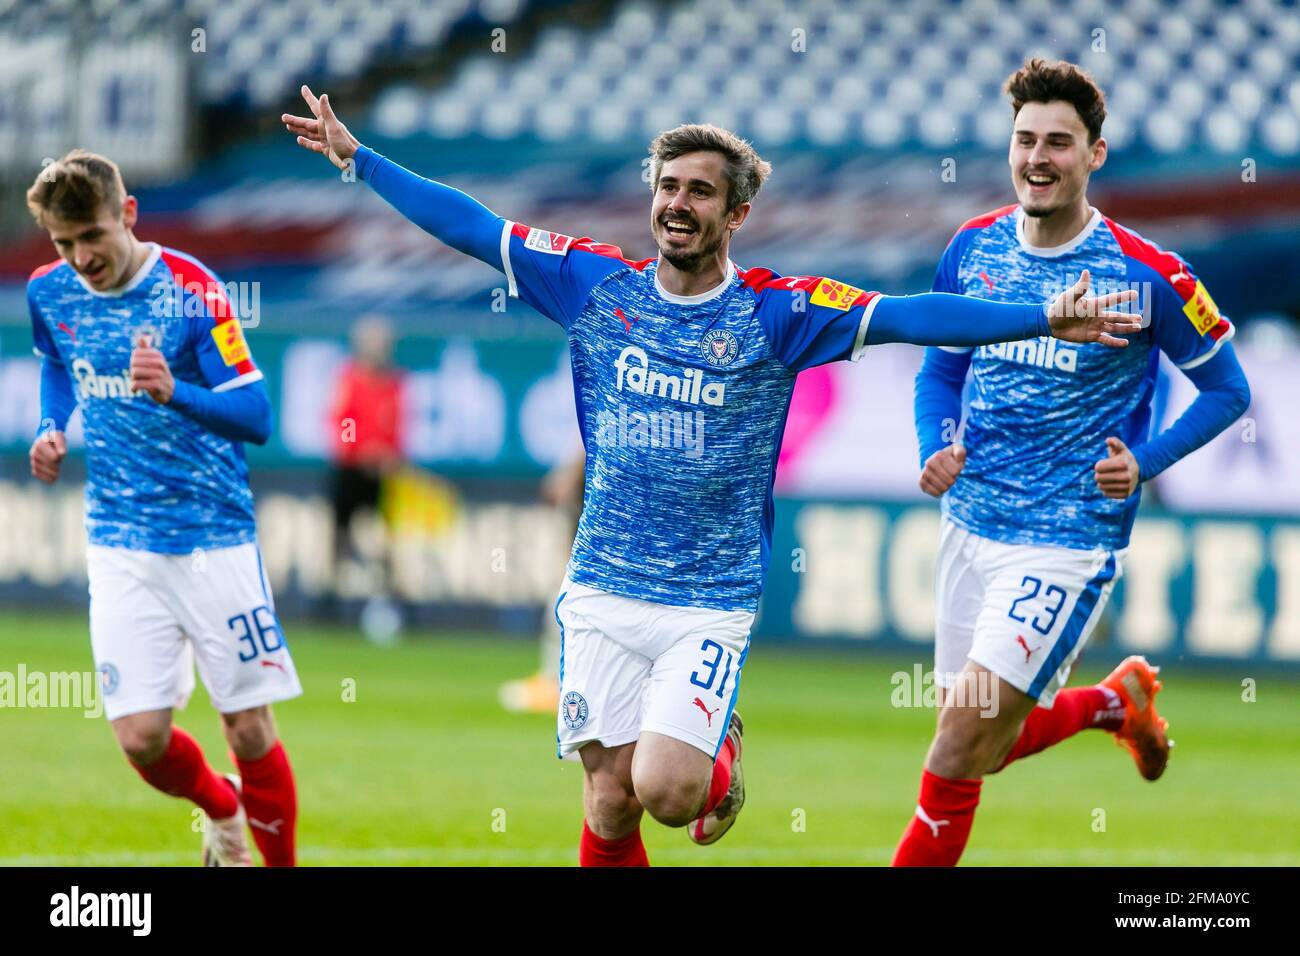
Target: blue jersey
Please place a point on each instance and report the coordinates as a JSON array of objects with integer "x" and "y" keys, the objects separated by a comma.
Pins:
[
  {"x": 156, "y": 480},
  {"x": 682, "y": 403},
  {"x": 1040, "y": 411}
]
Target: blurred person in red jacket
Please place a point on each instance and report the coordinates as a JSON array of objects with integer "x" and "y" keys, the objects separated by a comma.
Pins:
[{"x": 366, "y": 418}]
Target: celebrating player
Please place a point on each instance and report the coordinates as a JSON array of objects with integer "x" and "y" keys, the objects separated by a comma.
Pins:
[
  {"x": 146, "y": 340},
  {"x": 1040, "y": 497},
  {"x": 683, "y": 368}
]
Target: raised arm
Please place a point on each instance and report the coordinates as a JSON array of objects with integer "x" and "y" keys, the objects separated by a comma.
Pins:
[{"x": 448, "y": 214}]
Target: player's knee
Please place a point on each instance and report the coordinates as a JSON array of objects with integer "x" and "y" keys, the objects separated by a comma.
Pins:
[
  {"x": 964, "y": 748},
  {"x": 250, "y": 733},
  {"x": 672, "y": 800},
  {"x": 143, "y": 744},
  {"x": 611, "y": 808}
]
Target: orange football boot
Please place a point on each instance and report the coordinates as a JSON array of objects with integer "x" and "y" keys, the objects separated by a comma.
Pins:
[{"x": 1143, "y": 731}]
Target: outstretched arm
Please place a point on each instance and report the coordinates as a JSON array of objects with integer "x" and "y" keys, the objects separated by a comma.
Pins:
[
  {"x": 460, "y": 221},
  {"x": 940, "y": 318}
]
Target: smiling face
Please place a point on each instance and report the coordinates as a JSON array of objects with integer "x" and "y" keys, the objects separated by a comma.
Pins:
[
  {"x": 688, "y": 214},
  {"x": 99, "y": 250},
  {"x": 1051, "y": 158}
]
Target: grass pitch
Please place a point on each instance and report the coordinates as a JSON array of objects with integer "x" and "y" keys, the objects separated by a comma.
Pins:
[{"x": 423, "y": 768}]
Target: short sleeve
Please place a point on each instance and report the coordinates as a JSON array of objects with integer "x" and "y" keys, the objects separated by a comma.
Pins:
[
  {"x": 555, "y": 273},
  {"x": 813, "y": 320}
]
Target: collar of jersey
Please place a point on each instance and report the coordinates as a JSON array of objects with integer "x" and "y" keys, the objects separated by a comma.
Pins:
[
  {"x": 152, "y": 260},
  {"x": 1065, "y": 247},
  {"x": 713, "y": 293}
]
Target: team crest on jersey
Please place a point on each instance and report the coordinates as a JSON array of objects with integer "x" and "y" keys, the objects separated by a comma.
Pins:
[
  {"x": 719, "y": 346},
  {"x": 573, "y": 709},
  {"x": 109, "y": 677},
  {"x": 552, "y": 243},
  {"x": 835, "y": 295}
]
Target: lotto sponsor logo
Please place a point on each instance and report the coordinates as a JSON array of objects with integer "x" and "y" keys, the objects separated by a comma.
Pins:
[
  {"x": 635, "y": 374},
  {"x": 835, "y": 295},
  {"x": 229, "y": 337},
  {"x": 1043, "y": 352},
  {"x": 91, "y": 384},
  {"x": 1201, "y": 310},
  {"x": 552, "y": 243}
]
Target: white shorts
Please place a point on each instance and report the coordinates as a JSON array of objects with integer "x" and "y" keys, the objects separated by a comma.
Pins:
[
  {"x": 1022, "y": 611},
  {"x": 152, "y": 615},
  {"x": 628, "y": 666}
]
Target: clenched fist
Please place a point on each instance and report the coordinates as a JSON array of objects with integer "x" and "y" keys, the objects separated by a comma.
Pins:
[
  {"x": 47, "y": 456},
  {"x": 150, "y": 373},
  {"x": 941, "y": 470},
  {"x": 1116, "y": 474}
]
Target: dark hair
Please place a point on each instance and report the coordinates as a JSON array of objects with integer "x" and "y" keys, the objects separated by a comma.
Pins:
[
  {"x": 76, "y": 188},
  {"x": 1041, "y": 82},
  {"x": 746, "y": 170}
]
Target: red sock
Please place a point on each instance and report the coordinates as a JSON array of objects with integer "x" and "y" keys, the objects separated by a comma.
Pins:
[
  {"x": 625, "y": 851},
  {"x": 721, "y": 782},
  {"x": 271, "y": 802},
  {"x": 938, "y": 838},
  {"x": 183, "y": 772},
  {"x": 1072, "y": 711}
]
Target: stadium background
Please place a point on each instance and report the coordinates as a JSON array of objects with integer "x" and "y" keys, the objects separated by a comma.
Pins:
[{"x": 887, "y": 129}]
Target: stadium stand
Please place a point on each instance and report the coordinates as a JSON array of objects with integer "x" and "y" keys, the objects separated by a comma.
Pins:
[{"x": 882, "y": 75}]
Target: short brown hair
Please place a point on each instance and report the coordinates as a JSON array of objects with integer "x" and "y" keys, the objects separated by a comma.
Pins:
[
  {"x": 1041, "y": 82},
  {"x": 746, "y": 170},
  {"x": 76, "y": 188}
]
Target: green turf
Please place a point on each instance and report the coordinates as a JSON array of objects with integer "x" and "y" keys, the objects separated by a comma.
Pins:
[{"x": 421, "y": 765}]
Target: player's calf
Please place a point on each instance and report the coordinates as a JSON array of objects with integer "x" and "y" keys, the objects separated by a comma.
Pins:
[
  {"x": 270, "y": 795},
  {"x": 971, "y": 739},
  {"x": 608, "y": 797},
  {"x": 611, "y": 831},
  {"x": 180, "y": 769}
]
